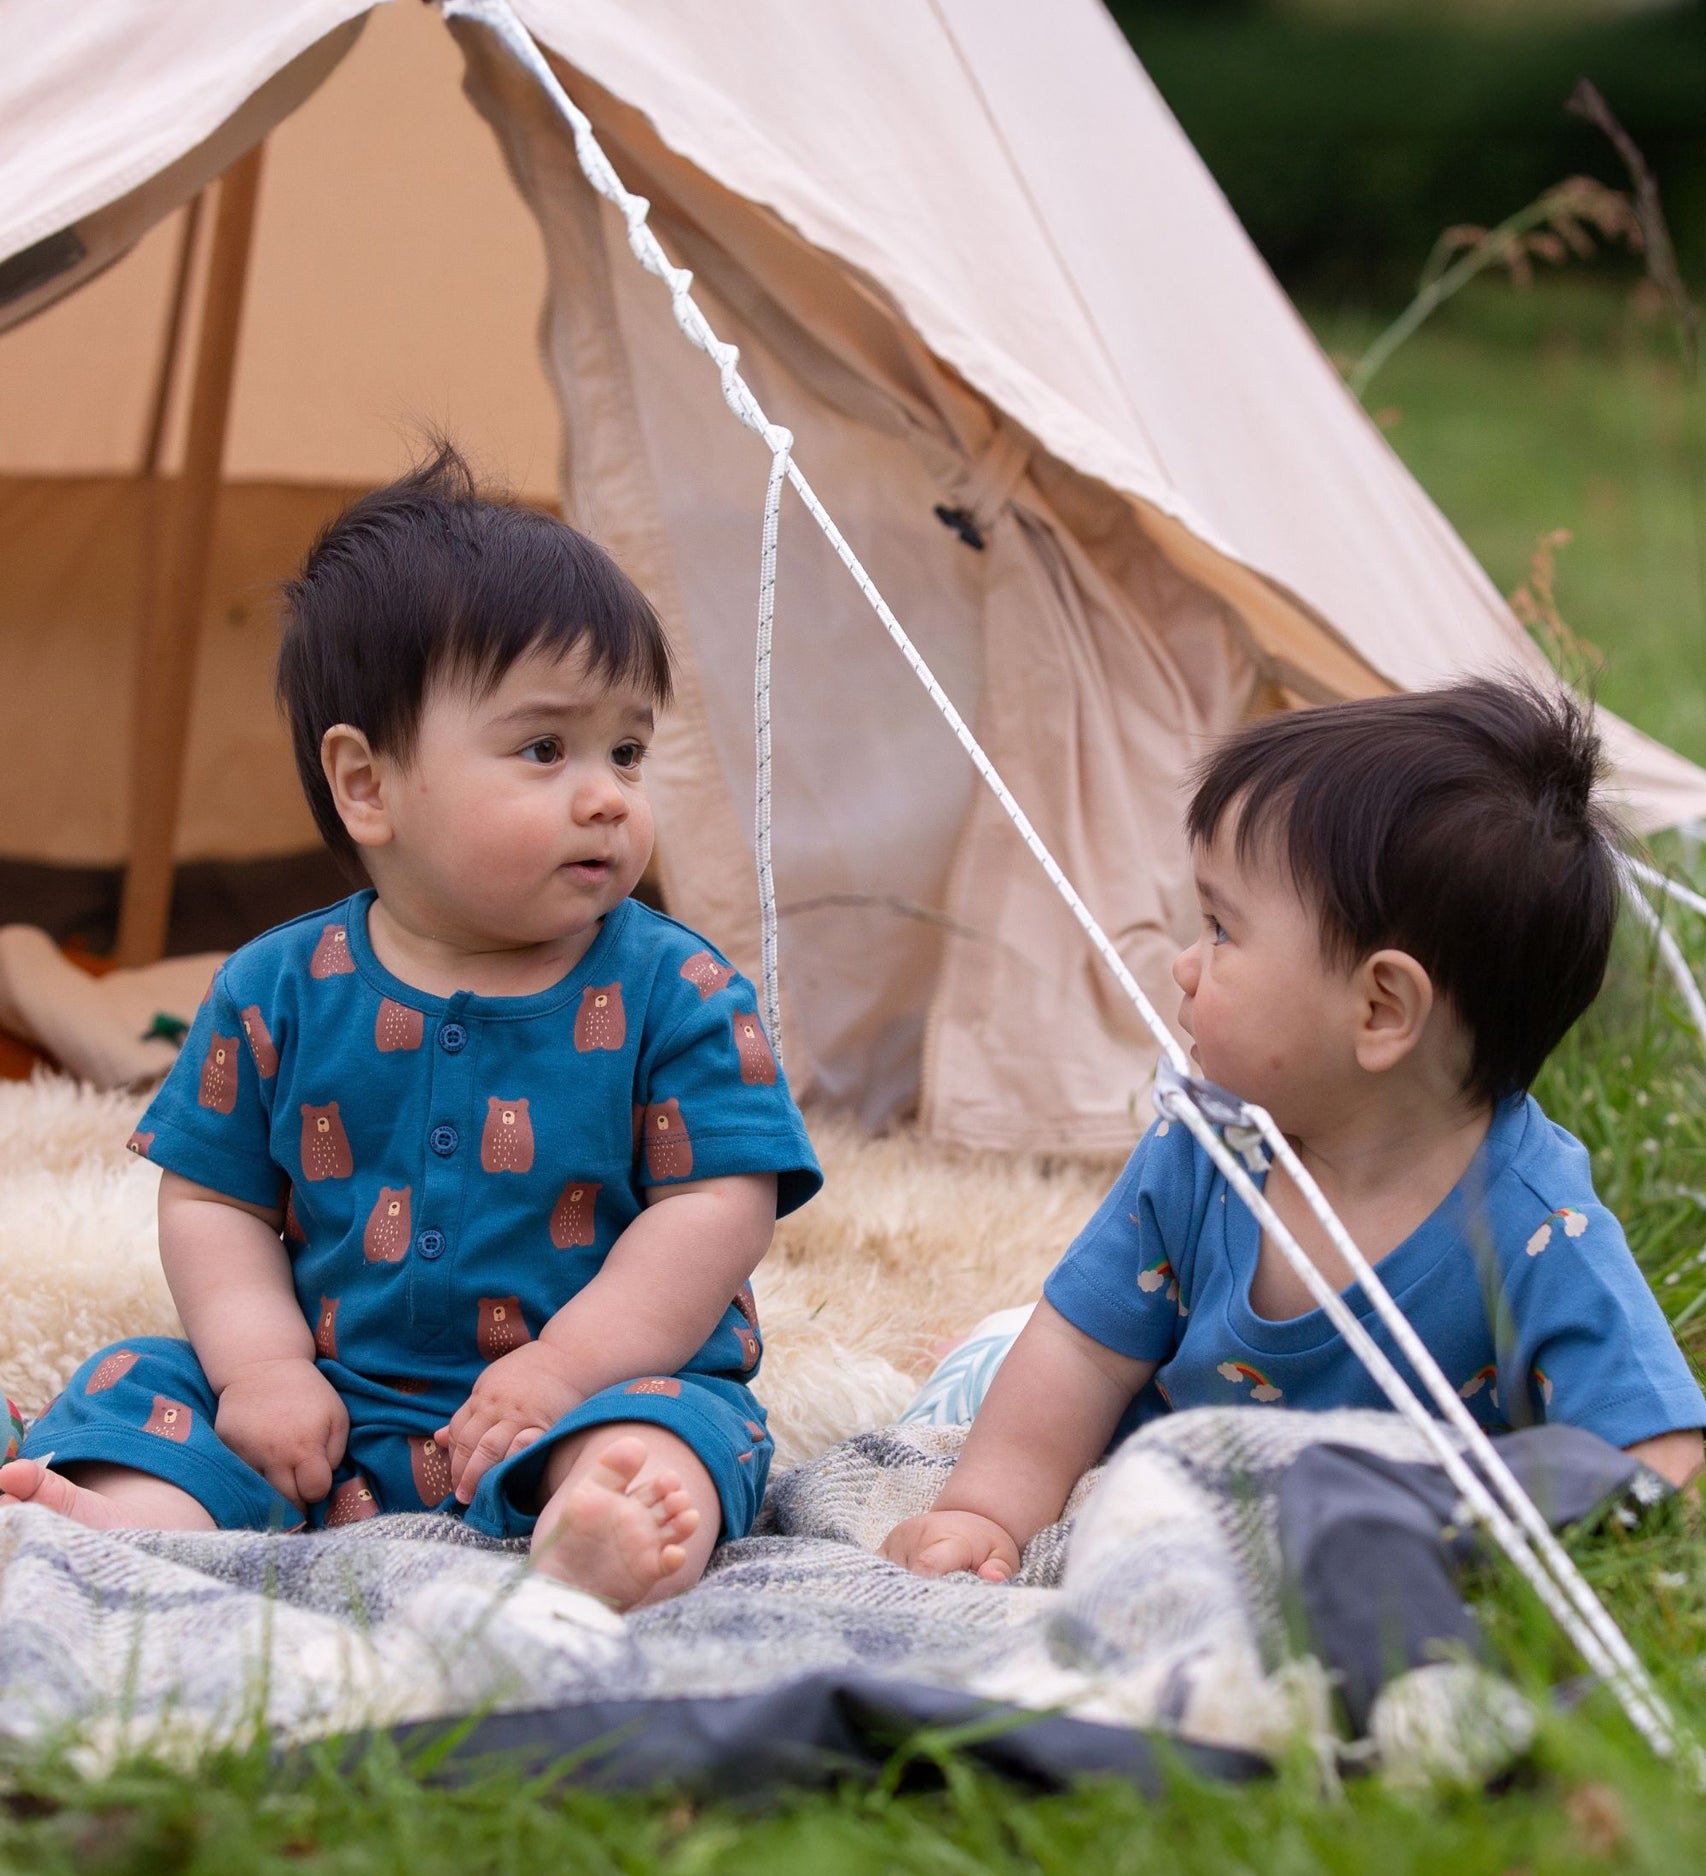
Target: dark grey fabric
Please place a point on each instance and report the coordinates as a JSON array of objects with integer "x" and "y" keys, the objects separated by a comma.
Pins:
[
  {"x": 1371, "y": 1547},
  {"x": 817, "y": 1730}
]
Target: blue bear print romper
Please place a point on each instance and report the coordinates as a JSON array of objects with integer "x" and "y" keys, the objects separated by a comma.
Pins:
[{"x": 452, "y": 1171}]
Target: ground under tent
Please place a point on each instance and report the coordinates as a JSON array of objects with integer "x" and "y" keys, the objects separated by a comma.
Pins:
[{"x": 973, "y": 265}]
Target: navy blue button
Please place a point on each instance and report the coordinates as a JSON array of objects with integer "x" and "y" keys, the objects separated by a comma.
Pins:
[
  {"x": 452, "y": 1038},
  {"x": 443, "y": 1140},
  {"x": 430, "y": 1244}
]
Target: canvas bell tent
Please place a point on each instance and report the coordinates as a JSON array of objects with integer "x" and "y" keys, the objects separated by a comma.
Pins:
[{"x": 1030, "y": 362}]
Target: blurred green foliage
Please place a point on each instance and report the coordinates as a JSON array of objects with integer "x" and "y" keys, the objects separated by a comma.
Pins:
[
  {"x": 1347, "y": 141},
  {"x": 1565, "y": 406}
]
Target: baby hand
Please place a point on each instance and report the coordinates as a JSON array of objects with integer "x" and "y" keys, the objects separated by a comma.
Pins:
[
  {"x": 941, "y": 1542},
  {"x": 521, "y": 1396},
  {"x": 285, "y": 1419}
]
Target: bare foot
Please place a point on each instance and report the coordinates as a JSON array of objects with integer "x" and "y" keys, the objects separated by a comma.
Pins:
[
  {"x": 127, "y": 1500},
  {"x": 25, "y": 1482},
  {"x": 616, "y": 1539}
]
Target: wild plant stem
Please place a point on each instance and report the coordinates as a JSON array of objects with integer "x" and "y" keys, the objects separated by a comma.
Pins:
[{"x": 1492, "y": 246}]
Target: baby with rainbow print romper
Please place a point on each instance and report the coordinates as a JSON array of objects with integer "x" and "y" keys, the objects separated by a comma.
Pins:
[
  {"x": 462, "y": 1180},
  {"x": 1405, "y": 904}
]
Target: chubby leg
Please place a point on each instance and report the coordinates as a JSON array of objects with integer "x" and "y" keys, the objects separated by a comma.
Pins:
[
  {"x": 629, "y": 1513},
  {"x": 103, "y": 1497},
  {"x": 130, "y": 1444}
]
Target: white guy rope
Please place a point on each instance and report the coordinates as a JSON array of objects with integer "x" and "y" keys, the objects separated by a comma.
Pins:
[
  {"x": 499, "y": 18},
  {"x": 1555, "y": 1579},
  {"x": 1662, "y": 882},
  {"x": 1550, "y": 1572},
  {"x": 761, "y": 740},
  {"x": 1671, "y": 952},
  {"x": 1621, "y": 1664}
]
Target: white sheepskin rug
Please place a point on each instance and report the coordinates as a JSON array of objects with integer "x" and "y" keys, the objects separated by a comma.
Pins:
[{"x": 906, "y": 1247}]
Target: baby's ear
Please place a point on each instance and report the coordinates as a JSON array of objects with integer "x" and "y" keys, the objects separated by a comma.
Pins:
[
  {"x": 1396, "y": 998},
  {"x": 356, "y": 777}
]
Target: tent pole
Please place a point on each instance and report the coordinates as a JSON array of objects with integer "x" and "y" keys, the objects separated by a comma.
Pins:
[
  {"x": 166, "y": 655},
  {"x": 172, "y": 341}
]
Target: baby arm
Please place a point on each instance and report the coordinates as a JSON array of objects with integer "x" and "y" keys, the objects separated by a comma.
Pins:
[
  {"x": 1677, "y": 1457},
  {"x": 229, "y": 1275},
  {"x": 651, "y": 1307},
  {"x": 1048, "y": 1417}
]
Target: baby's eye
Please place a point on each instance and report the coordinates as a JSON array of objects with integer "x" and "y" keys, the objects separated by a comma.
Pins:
[
  {"x": 1216, "y": 931},
  {"x": 628, "y": 755},
  {"x": 544, "y": 750}
]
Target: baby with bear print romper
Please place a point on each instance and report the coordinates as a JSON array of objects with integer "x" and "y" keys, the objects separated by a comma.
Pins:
[{"x": 463, "y": 1179}]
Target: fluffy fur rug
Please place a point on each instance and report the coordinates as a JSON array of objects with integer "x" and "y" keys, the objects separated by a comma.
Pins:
[{"x": 906, "y": 1248}]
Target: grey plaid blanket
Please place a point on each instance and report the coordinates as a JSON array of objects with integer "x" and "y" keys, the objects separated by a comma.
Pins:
[{"x": 1156, "y": 1603}]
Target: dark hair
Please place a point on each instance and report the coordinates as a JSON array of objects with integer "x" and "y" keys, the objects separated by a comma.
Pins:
[
  {"x": 427, "y": 581},
  {"x": 1460, "y": 825}
]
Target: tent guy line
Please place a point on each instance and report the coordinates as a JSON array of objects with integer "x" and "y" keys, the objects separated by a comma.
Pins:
[
  {"x": 780, "y": 456},
  {"x": 1563, "y": 1590},
  {"x": 1669, "y": 950},
  {"x": 1551, "y": 1574},
  {"x": 499, "y": 19}
]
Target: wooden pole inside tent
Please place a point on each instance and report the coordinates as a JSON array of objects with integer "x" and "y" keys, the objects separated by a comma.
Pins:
[
  {"x": 171, "y": 632},
  {"x": 171, "y": 344}
]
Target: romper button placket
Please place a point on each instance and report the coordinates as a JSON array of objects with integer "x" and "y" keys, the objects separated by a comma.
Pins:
[
  {"x": 430, "y": 1244},
  {"x": 443, "y": 1140},
  {"x": 452, "y": 1038}
]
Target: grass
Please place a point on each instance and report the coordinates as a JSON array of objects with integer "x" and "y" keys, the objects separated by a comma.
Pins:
[
  {"x": 1565, "y": 407},
  {"x": 1521, "y": 415}
]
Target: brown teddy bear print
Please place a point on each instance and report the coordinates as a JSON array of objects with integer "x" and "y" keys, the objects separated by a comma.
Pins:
[
  {"x": 325, "y": 1145},
  {"x": 747, "y": 1304},
  {"x": 665, "y": 1385},
  {"x": 506, "y": 1141},
  {"x": 572, "y": 1215},
  {"x": 326, "y": 1329},
  {"x": 397, "y": 1027},
  {"x": 601, "y": 1022},
  {"x": 171, "y": 1419},
  {"x": 705, "y": 974},
  {"x": 501, "y": 1327},
  {"x": 260, "y": 1041},
  {"x": 386, "y": 1237},
  {"x": 331, "y": 955},
  {"x": 750, "y": 1349},
  {"x": 757, "y": 1059},
  {"x": 219, "y": 1074},
  {"x": 293, "y": 1232},
  {"x": 669, "y": 1149},
  {"x": 351, "y": 1502},
  {"x": 110, "y": 1370},
  {"x": 139, "y": 1143},
  {"x": 430, "y": 1465}
]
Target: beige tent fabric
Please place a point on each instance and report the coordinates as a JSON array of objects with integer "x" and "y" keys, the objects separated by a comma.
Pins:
[
  {"x": 907, "y": 903},
  {"x": 396, "y": 282},
  {"x": 114, "y": 114},
  {"x": 78, "y": 554},
  {"x": 971, "y": 262},
  {"x": 1007, "y": 173},
  {"x": 396, "y": 278}
]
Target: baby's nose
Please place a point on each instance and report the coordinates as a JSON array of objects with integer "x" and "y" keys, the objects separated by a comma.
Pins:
[
  {"x": 1185, "y": 970},
  {"x": 600, "y": 799}
]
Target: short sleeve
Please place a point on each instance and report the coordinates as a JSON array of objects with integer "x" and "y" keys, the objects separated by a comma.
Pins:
[
  {"x": 1593, "y": 1343},
  {"x": 714, "y": 1099},
  {"x": 210, "y": 1121},
  {"x": 1120, "y": 1280}
]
